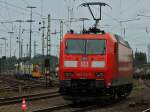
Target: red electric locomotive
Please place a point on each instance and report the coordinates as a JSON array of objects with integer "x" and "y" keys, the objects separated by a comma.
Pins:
[{"x": 94, "y": 63}]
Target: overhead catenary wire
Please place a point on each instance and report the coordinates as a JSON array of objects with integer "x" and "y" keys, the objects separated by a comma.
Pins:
[
  {"x": 130, "y": 7},
  {"x": 7, "y": 9},
  {"x": 109, "y": 16},
  {"x": 15, "y": 6},
  {"x": 14, "y": 10},
  {"x": 24, "y": 1},
  {"x": 4, "y": 26}
]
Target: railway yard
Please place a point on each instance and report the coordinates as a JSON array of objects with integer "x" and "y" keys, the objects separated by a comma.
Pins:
[
  {"x": 42, "y": 99},
  {"x": 74, "y": 56}
]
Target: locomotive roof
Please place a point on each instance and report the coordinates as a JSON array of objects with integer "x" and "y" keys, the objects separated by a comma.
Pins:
[
  {"x": 115, "y": 37},
  {"x": 121, "y": 40}
]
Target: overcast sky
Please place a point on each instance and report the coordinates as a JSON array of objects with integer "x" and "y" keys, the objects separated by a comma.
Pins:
[{"x": 136, "y": 32}]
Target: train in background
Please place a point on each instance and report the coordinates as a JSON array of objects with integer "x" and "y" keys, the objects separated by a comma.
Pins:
[
  {"x": 28, "y": 71},
  {"x": 40, "y": 67},
  {"x": 94, "y": 63}
]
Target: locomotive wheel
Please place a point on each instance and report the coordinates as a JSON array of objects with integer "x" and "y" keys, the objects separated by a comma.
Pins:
[
  {"x": 121, "y": 92},
  {"x": 114, "y": 95},
  {"x": 125, "y": 91}
]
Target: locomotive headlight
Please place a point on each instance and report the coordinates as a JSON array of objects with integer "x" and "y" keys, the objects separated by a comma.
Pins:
[
  {"x": 99, "y": 74},
  {"x": 70, "y": 63},
  {"x": 98, "y": 64}
]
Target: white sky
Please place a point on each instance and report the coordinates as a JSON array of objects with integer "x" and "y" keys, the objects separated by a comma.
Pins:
[{"x": 11, "y": 10}]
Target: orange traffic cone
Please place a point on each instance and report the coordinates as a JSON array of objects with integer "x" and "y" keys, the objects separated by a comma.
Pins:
[{"x": 24, "y": 106}]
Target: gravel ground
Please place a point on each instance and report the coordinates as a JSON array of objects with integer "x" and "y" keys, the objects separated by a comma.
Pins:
[
  {"x": 20, "y": 92},
  {"x": 138, "y": 101},
  {"x": 33, "y": 105}
]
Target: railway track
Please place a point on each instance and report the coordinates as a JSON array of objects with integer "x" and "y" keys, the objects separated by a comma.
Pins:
[
  {"x": 14, "y": 84},
  {"x": 146, "y": 110},
  {"x": 77, "y": 107},
  {"x": 69, "y": 108},
  {"x": 14, "y": 100},
  {"x": 54, "y": 108},
  {"x": 82, "y": 106}
]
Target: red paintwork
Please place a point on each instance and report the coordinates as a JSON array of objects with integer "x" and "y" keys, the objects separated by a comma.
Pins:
[{"x": 118, "y": 60}]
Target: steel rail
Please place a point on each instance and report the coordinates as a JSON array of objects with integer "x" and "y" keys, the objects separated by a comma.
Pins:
[
  {"x": 54, "y": 108},
  {"x": 146, "y": 110},
  {"x": 14, "y": 100},
  {"x": 88, "y": 108}
]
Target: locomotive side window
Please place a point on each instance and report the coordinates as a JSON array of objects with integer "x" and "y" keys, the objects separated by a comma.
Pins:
[{"x": 85, "y": 46}]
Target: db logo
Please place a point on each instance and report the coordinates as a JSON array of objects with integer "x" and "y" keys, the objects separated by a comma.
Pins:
[{"x": 84, "y": 64}]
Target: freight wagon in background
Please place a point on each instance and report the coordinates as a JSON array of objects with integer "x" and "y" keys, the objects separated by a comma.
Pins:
[
  {"x": 94, "y": 63},
  {"x": 24, "y": 70}
]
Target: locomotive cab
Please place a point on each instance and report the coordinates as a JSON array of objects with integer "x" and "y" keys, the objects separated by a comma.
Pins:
[{"x": 83, "y": 60}]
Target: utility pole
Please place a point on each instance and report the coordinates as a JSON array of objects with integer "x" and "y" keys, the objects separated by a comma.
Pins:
[
  {"x": 35, "y": 44},
  {"x": 19, "y": 42},
  {"x": 49, "y": 36},
  {"x": 83, "y": 21},
  {"x": 11, "y": 32},
  {"x": 3, "y": 38},
  {"x": 21, "y": 49},
  {"x": 61, "y": 29},
  {"x": 1, "y": 49},
  {"x": 5, "y": 46},
  {"x": 31, "y": 7},
  {"x": 48, "y": 60},
  {"x": 27, "y": 52},
  {"x": 68, "y": 9},
  {"x": 43, "y": 36},
  {"x": 19, "y": 38}
]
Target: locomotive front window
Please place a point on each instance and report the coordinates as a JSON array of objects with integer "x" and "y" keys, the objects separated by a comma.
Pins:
[
  {"x": 85, "y": 46},
  {"x": 75, "y": 46},
  {"x": 95, "y": 46}
]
